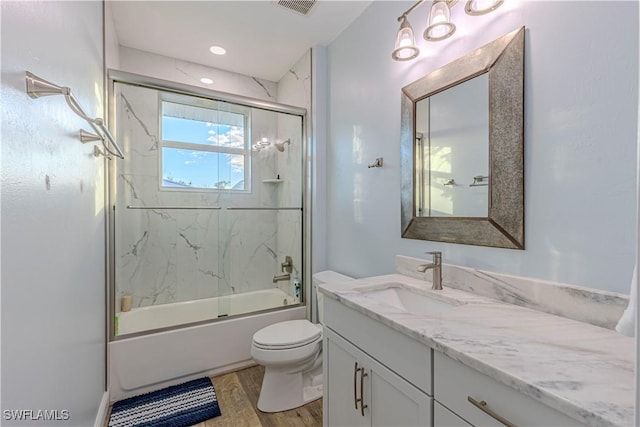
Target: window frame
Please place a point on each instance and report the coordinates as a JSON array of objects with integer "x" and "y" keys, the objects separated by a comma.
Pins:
[{"x": 212, "y": 104}]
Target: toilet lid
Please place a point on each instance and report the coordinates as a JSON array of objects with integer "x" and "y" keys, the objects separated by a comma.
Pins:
[{"x": 292, "y": 333}]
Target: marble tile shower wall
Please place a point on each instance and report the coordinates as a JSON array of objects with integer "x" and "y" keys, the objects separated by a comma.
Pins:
[
  {"x": 289, "y": 222},
  {"x": 165, "y": 256},
  {"x": 294, "y": 88}
]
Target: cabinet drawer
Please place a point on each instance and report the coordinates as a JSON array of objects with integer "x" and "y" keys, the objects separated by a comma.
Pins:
[
  {"x": 454, "y": 383},
  {"x": 403, "y": 355}
]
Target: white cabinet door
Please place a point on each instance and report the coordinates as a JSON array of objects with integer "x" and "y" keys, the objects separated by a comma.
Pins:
[
  {"x": 342, "y": 385},
  {"x": 394, "y": 402},
  {"x": 389, "y": 400}
]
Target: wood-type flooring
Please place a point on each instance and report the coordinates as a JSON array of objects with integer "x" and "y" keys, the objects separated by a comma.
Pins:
[
  {"x": 238, "y": 393},
  {"x": 238, "y": 398}
]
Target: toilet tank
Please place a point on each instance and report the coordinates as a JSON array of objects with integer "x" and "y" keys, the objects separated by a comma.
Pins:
[{"x": 326, "y": 276}]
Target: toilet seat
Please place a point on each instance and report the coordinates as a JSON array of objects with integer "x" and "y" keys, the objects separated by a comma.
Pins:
[{"x": 287, "y": 335}]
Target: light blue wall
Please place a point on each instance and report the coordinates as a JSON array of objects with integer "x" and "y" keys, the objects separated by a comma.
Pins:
[
  {"x": 53, "y": 237},
  {"x": 581, "y": 100}
]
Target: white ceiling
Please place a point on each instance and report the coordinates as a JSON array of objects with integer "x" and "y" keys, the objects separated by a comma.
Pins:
[{"x": 262, "y": 39}]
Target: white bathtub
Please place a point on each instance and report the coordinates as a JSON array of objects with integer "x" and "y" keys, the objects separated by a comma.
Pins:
[
  {"x": 165, "y": 315},
  {"x": 144, "y": 363}
]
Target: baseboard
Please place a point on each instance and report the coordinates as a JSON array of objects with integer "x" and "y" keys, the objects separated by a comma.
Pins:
[{"x": 101, "y": 417}]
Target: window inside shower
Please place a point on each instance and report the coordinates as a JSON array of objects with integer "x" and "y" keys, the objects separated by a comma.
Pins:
[
  {"x": 206, "y": 209},
  {"x": 205, "y": 144}
]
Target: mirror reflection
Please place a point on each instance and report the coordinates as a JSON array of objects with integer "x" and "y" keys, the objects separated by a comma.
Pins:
[{"x": 452, "y": 151}]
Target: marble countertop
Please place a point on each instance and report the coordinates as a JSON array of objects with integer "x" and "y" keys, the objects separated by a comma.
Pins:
[{"x": 581, "y": 370}]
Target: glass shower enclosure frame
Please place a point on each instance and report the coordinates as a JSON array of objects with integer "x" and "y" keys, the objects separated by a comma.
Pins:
[{"x": 238, "y": 205}]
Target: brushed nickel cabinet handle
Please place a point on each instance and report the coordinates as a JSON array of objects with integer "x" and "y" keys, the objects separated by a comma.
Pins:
[
  {"x": 355, "y": 389},
  {"x": 482, "y": 405},
  {"x": 362, "y": 404}
]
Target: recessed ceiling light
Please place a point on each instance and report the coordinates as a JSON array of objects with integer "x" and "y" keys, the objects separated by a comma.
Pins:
[
  {"x": 218, "y": 50},
  {"x": 206, "y": 80}
]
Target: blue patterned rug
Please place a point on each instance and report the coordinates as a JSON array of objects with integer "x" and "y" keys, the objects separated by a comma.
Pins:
[{"x": 180, "y": 405}]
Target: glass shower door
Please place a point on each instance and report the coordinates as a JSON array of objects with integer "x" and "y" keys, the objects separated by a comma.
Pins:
[
  {"x": 207, "y": 207},
  {"x": 264, "y": 228},
  {"x": 166, "y": 238}
]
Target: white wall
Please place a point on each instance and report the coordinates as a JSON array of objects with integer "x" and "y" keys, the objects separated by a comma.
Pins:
[
  {"x": 53, "y": 236},
  {"x": 581, "y": 100}
]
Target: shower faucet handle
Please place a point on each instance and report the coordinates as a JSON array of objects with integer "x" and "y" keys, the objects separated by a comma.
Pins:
[{"x": 287, "y": 265}]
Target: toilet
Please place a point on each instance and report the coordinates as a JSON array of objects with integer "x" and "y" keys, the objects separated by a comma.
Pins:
[{"x": 291, "y": 353}]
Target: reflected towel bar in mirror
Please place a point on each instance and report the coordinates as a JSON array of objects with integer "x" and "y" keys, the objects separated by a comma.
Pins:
[{"x": 479, "y": 181}]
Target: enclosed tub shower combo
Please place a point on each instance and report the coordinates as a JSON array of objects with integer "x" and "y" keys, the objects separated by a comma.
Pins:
[{"x": 207, "y": 229}]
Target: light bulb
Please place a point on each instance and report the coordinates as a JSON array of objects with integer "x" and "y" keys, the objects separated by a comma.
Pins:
[{"x": 439, "y": 17}]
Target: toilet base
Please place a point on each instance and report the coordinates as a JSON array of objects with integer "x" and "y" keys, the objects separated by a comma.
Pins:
[{"x": 282, "y": 390}]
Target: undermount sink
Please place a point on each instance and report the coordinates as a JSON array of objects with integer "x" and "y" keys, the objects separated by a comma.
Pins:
[{"x": 410, "y": 301}]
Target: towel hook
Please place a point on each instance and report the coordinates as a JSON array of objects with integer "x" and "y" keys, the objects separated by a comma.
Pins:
[
  {"x": 88, "y": 137},
  {"x": 377, "y": 163}
]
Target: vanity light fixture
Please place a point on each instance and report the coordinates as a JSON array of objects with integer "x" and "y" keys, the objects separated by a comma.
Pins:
[
  {"x": 405, "y": 42},
  {"x": 439, "y": 25}
]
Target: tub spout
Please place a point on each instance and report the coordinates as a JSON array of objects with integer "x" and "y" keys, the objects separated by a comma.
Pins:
[{"x": 281, "y": 277}]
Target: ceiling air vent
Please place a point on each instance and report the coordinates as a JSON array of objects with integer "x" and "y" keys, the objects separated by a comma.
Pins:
[{"x": 300, "y": 6}]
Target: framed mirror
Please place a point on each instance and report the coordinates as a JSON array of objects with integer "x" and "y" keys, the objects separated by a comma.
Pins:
[{"x": 462, "y": 149}]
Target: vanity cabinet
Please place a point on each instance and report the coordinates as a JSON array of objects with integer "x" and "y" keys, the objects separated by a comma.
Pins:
[
  {"x": 376, "y": 387},
  {"x": 478, "y": 400},
  {"x": 375, "y": 375},
  {"x": 362, "y": 392}
]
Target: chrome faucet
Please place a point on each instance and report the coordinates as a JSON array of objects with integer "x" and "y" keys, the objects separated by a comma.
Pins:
[
  {"x": 281, "y": 277},
  {"x": 436, "y": 266}
]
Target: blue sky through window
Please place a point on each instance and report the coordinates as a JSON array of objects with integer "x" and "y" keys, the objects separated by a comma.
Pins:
[{"x": 194, "y": 168}]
